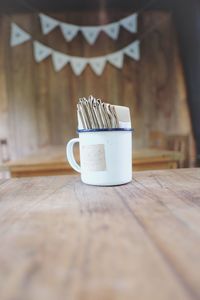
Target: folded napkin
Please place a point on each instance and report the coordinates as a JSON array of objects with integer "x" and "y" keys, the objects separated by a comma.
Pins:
[{"x": 94, "y": 114}]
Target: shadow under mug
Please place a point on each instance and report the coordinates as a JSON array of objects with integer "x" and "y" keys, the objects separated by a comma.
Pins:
[{"x": 105, "y": 156}]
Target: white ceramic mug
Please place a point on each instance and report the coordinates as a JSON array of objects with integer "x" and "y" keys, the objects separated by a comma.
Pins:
[{"x": 105, "y": 156}]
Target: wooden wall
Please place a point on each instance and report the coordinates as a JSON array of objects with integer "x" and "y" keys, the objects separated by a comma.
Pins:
[{"x": 37, "y": 105}]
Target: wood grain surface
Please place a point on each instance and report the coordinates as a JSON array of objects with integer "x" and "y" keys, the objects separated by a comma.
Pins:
[
  {"x": 38, "y": 105},
  {"x": 61, "y": 239}
]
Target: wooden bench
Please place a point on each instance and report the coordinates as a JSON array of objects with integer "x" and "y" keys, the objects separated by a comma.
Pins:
[{"x": 52, "y": 161}]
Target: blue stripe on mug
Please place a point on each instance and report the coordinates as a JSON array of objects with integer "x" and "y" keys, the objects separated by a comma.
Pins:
[{"x": 104, "y": 129}]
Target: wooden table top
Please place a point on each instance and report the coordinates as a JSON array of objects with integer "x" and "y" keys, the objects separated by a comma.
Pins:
[
  {"x": 61, "y": 239},
  {"x": 54, "y": 157}
]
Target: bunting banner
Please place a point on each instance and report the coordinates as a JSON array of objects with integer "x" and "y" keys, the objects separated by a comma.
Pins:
[
  {"x": 90, "y": 33},
  {"x": 112, "y": 30},
  {"x": 69, "y": 31},
  {"x": 97, "y": 64},
  {"x": 41, "y": 51},
  {"x": 133, "y": 50},
  {"x": 47, "y": 23},
  {"x": 116, "y": 59},
  {"x": 59, "y": 60},
  {"x": 78, "y": 64},
  {"x": 130, "y": 23},
  {"x": 18, "y": 36}
]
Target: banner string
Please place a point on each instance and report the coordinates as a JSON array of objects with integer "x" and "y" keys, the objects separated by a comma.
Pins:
[
  {"x": 140, "y": 37},
  {"x": 97, "y": 64}
]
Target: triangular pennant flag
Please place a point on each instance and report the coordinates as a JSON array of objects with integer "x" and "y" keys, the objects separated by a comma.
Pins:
[
  {"x": 133, "y": 50},
  {"x": 116, "y": 59},
  {"x": 18, "y": 35},
  {"x": 47, "y": 23},
  {"x": 130, "y": 23},
  {"x": 90, "y": 33},
  {"x": 112, "y": 30},
  {"x": 41, "y": 51},
  {"x": 78, "y": 64},
  {"x": 97, "y": 64},
  {"x": 59, "y": 60},
  {"x": 69, "y": 31}
]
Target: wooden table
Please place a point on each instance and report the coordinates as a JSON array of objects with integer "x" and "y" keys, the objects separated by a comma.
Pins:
[
  {"x": 52, "y": 161},
  {"x": 61, "y": 239}
]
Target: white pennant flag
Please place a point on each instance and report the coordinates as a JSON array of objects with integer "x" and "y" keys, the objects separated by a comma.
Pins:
[
  {"x": 69, "y": 31},
  {"x": 112, "y": 30},
  {"x": 90, "y": 33},
  {"x": 59, "y": 60},
  {"x": 41, "y": 51},
  {"x": 47, "y": 23},
  {"x": 130, "y": 23},
  {"x": 78, "y": 64},
  {"x": 116, "y": 59},
  {"x": 133, "y": 50},
  {"x": 97, "y": 64},
  {"x": 18, "y": 35}
]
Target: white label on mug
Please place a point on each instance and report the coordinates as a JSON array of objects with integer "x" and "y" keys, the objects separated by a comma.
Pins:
[{"x": 93, "y": 158}]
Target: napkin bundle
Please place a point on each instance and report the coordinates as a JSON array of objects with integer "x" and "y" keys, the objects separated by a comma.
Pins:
[{"x": 95, "y": 114}]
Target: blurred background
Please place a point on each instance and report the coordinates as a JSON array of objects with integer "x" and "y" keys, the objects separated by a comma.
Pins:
[{"x": 38, "y": 104}]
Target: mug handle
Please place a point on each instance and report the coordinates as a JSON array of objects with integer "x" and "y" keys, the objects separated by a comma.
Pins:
[{"x": 70, "y": 155}]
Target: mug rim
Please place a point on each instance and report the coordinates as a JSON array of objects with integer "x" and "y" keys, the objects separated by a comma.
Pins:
[{"x": 103, "y": 129}]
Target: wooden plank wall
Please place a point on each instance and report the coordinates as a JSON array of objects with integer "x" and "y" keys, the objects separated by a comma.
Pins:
[{"x": 37, "y": 105}]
